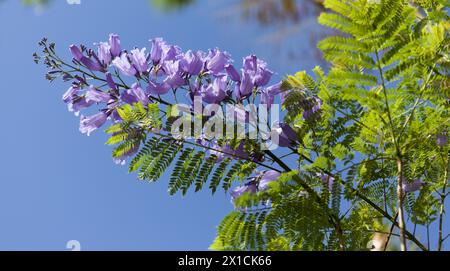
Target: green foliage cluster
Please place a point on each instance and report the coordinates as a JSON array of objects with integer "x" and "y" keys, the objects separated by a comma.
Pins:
[
  {"x": 385, "y": 100},
  {"x": 158, "y": 152}
]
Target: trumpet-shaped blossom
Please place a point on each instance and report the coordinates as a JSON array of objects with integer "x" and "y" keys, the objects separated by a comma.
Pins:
[
  {"x": 216, "y": 61},
  {"x": 70, "y": 94},
  {"x": 79, "y": 104},
  {"x": 114, "y": 43},
  {"x": 241, "y": 190},
  {"x": 93, "y": 65},
  {"x": 97, "y": 96},
  {"x": 104, "y": 53},
  {"x": 244, "y": 88},
  {"x": 312, "y": 108},
  {"x": 232, "y": 73},
  {"x": 139, "y": 60},
  {"x": 413, "y": 186},
  {"x": 216, "y": 92},
  {"x": 76, "y": 52},
  {"x": 257, "y": 69},
  {"x": 287, "y": 137},
  {"x": 110, "y": 81},
  {"x": 268, "y": 95},
  {"x": 327, "y": 180},
  {"x": 134, "y": 95},
  {"x": 161, "y": 51},
  {"x": 156, "y": 52},
  {"x": 191, "y": 63},
  {"x": 266, "y": 178},
  {"x": 261, "y": 182},
  {"x": 123, "y": 65},
  {"x": 90, "y": 124},
  {"x": 158, "y": 88}
]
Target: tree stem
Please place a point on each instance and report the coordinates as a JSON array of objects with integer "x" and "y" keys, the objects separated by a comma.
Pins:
[
  {"x": 442, "y": 209},
  {"x": 401, "y": 197}
]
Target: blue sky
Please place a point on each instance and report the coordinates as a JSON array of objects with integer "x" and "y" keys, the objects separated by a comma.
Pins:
[{"x": 57, "y": 184}]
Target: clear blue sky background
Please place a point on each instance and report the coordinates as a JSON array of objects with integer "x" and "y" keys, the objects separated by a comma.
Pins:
[{"x": 57, "y": 184}]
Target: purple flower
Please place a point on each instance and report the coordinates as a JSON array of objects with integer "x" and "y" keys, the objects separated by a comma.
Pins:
[
  {"x": 114, "y": 43},
  {"x": 327, "y": 180},
  {"x": 215, "y": 92},
  {"x": 70, "y": 94},
  {"x": 268, "y": 95},
  {"x": 313, "y": 107},
  {"x": 76, "y": 52},
  {"x": 241, "y": 190},
  {"x": 78, "y": 104},
  {"x": 191, "y": 63},
  {"x": 134, "y": 95},
  {"x": 232, "y": 73},
  {"x": 170, "y": 53},
  {"x": 104, "y": 53},
  {"x": 175, "y": 76},
  {"x": 216, "y": 61},
  {"x": 110, "y": 81},
  {"x": 157, "y": 88},
  {"x": 89, "y": 124},
  {"x": 157, "y": 49},
  {"x": 97, "y": 96},
  {"x": 93, "y": 65},
  {"x": 267, "y": 177},
  {"x": 244, "y": 88},
  {"x": 258, "y": 71},
  {"x": 413, "y": 186},
  {"x": 441, "y": 140},
  {"x": 123, "y": 64},
  {"x": 226, "y": 151},
  {"x": 139, "y": 60},
  {"x": 287, "y": 137}
]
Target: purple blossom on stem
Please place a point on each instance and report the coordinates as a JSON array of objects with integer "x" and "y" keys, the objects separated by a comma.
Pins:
[
  {"x": 314, "y": 107},
  {"x": 70, "y": 94},
  {"x": 90, "y": 124},
  {"x": 76, "y": 52},
  {"x": 124, "y": 66},
  {"x": 114, "y": 43},
  {"x": 191, "y": 63},
  {"x": 215, "y": 93},
  {"x": 93, "y": 65},
  {"x": 244, "y": 88},
  {"x": 216, "y": 61},
  {"x": 232, "y": 73},
  {"x": 78, "y": 104},
  {"x": 158, "y": 88},
  {"x": 104, "y": 53},
  {"x": 97, "y": 96},
  {"x": 266, "y": 178},
  {"x": 327, "y": 180},
  {"x": 134, "y": 95},
  {"x": 268, "y": 95},
  {"x": 110, "y": 81},
  {"x": 257, "y": 69},
  {"x": 139, "y": 60},
  {"x": 287, "y": 137},
  {"x": 413, "y": 186},
  {"x": 241, "y": 190}
]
